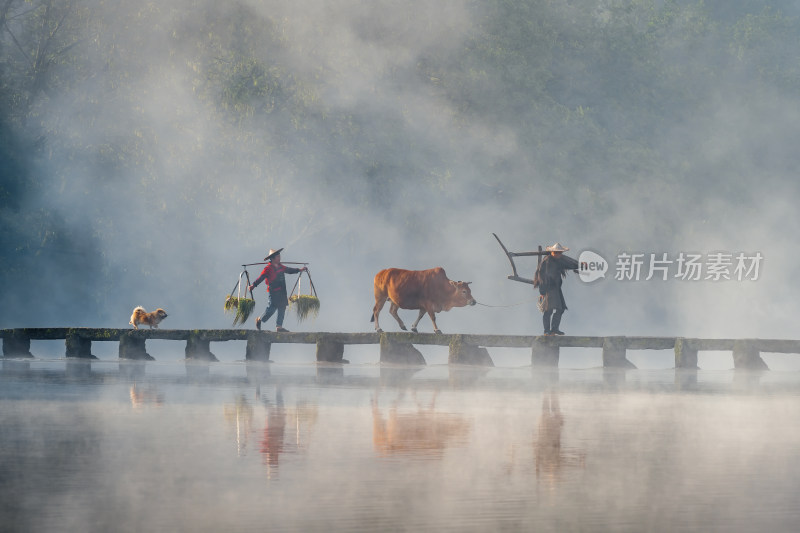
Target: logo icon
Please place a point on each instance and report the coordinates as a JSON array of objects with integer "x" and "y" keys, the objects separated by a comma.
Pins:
[{"x": 592, "y": 266}]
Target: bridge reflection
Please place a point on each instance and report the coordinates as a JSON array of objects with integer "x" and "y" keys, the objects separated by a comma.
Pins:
[{"x": 254, "y": 374}]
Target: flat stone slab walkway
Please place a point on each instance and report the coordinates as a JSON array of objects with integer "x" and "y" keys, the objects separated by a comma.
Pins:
[{"x": 395, "y": 347}]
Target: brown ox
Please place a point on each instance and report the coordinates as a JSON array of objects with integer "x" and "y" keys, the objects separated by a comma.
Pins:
[{"x": 427, "y": 290}]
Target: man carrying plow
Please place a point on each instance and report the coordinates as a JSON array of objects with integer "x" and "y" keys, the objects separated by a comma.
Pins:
[
  {"x": 551, "y": 269},
  {"x": 549, "y": 275}
]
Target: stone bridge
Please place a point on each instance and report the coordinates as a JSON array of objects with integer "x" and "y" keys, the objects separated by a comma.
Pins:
[{"x": 399, "y": 347}]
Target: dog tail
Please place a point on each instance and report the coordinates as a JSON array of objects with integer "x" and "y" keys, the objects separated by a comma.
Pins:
[{"x": 137, "y": 308}]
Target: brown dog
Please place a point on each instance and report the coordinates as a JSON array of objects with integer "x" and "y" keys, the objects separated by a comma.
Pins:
[{"x": 140, "y": 316}]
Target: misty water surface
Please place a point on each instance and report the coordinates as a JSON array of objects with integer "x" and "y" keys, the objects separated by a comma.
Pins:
[{"x": 116, "y": 446}]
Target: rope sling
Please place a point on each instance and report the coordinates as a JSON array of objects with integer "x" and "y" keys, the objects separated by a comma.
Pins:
[
  {"x": 240, "y": 305},
  {"x": 305, "y": 305}
]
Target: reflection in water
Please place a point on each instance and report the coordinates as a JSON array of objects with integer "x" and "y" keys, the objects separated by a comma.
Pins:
[
  {"x": 551, "y": 457},
  {"x": 274, "y": 429},
  {"x": 303, "y": 418},
  {"x": 396, "y": 376},
  {"x": 329, "y": 374},
  {"x": 132, "y": 370},
  {"x": 144, "y": 396},
  {"x": 75, "y": 456},
  {"x": 240, "y": 419},
  {"x": 298, "y": 422},
  {"x": 423, "y": 431},
  {"x": 78, "y": 369},
  {"x": 198, "y": 371},
  {"x": 257, "y": 371},
  {"x": 16, "y": 367},
  {"x": 464, "y": 376}
]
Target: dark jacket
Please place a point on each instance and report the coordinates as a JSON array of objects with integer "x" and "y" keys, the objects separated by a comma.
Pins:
[
  {"x": 273, "y": 273},
  {"x": 549, "y": 276}
]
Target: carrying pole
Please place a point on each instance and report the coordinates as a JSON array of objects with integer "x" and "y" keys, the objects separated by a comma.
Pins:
[{"x": 282, "y": 262}]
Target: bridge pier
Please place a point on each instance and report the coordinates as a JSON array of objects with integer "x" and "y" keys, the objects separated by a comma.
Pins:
[
  {"x": 403, "y": 353},
  {"x": 685, "y": 354},
  {"x": 79, "y": 347},
  {"x": 614, "y": 353},
  {"x": 330, "y": 352},
  {"x": 17, "y": 344},
  {"x": 199, "y": 347},
  {"x": 258, "y": 347},
  {"x": 747, "y": 356},
  {"x": 132, "y": 346},
  {"x": 463, "y": 353},
  {"x": 544, "y": 352}
]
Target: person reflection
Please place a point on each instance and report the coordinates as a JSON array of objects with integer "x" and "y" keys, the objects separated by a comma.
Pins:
[
  {"x": 423, "y": 432},
  {"x": 301, "y": 421},
  {"x": 550, "y": 457},
  {"x": 240, "y": 419},
  {"x": 275, "y": 427}
]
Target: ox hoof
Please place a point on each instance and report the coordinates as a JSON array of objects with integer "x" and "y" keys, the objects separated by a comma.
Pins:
[
  {"x": 437, "y": 331},
  {"x": 414, "y": 330},
  {"x": 403, "y": 328},
  {"x": 378, "y": 330}
]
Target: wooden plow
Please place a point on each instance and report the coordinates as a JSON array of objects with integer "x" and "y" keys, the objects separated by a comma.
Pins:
[{"x": 538, "y": 254}]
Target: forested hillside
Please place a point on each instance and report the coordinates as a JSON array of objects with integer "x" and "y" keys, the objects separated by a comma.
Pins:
[{"x": 148, "y": 149}]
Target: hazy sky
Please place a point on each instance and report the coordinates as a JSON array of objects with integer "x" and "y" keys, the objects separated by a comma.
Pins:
[{"x": 181, "y": 245}]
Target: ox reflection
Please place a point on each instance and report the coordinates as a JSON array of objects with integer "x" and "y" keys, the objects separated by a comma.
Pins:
[
  {"x": 149, "y": 395},
  {"x": 427, "y": 290},
  {"x": 421, "y": 431},
  {"x": 551, "y": 458}
]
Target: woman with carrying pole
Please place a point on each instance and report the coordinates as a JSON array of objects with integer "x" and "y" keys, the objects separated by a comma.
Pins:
[{"x": 274, "y": 274}]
